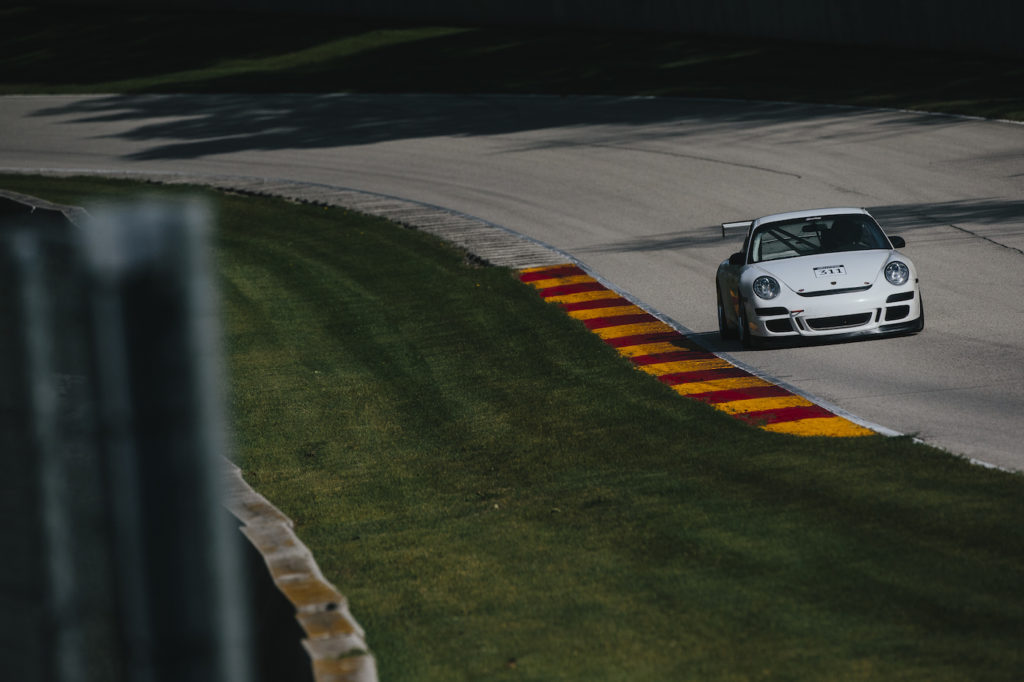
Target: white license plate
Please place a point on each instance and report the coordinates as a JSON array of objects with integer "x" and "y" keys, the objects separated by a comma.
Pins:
[{"x": 829, "y": 270}]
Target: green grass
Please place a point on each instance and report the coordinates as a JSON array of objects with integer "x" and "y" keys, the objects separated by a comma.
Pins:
[
  {"x": 95, "y": 50},
  {"x": 500, "y": 495}
]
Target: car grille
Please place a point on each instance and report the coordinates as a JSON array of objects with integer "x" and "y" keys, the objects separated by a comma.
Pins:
[
  {"x": 839, "y": 321},
  {"x": 830, "y": 292}
]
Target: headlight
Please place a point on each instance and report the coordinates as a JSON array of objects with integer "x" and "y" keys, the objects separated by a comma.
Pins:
[
  {"x": 897, "y": 273},
  {"x": 766, "y": 287}
]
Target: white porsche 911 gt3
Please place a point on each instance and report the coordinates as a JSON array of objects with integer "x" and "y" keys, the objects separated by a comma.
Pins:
[{"x": 824, "y": 273}]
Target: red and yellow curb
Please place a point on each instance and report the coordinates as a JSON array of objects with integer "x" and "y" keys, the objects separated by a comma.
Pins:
[{"x": 659, "y": 350}]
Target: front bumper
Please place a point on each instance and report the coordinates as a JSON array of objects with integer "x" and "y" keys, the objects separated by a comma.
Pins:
[{"x": 836, "y": 316}]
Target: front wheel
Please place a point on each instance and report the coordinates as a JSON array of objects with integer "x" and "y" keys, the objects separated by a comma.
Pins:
[
  {"x": 724, "y": 330},
  {"x": 747, "y": 340}
]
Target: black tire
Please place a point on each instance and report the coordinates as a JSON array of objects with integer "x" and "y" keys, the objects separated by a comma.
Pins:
[
  {"x": 724, "y": 330},
  {"x": 919, "y": 327},
  {"x": 747, "y": 340}
]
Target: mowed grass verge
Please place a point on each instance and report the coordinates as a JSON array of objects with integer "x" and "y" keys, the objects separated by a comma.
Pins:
[
  {"x": 501, "y": 496},
  {"x": 104, "y": 50}
]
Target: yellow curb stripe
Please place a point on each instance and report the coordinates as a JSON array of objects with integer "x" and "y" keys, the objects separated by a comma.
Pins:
[
  {"x": 632, "y": 329},
  {"x": 542, "y": 268},
  {"x": 614, "y": 311},
  {"x": 837, "y": 427},
  {"x": 653, "y": 348},
  {"x": 762, "y": 404},
  {"x": 680, "y": 366},
  {"x": 583, "y": 296},
  {"x": 561, "y": 281},
  {"x": 719, "y": 385}
]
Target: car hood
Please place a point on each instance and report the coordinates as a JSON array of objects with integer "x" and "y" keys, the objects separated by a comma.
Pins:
[{"x": 822, "y": 272}]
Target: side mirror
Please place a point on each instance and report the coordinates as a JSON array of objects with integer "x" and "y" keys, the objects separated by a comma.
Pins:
[
  {"x": 897, "y": 242},
  {"x": 738, "y": 258}
]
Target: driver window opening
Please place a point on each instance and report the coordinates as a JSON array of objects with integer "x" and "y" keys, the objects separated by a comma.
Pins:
[{"x": 805, "y": 237}]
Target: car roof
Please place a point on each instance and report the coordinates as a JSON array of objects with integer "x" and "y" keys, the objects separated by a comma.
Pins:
[{"x": 796, "y": 215}]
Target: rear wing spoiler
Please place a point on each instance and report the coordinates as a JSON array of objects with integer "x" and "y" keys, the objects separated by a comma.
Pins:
[{"x": 737, "y": 225}]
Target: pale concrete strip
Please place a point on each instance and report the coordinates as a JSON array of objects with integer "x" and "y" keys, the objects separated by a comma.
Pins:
[
  {"x": 485, "y": 241},
  {"x": 335, "y": 641}
]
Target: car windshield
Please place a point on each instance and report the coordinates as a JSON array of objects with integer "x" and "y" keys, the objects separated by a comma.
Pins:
[{"x": 817, "y": 234}]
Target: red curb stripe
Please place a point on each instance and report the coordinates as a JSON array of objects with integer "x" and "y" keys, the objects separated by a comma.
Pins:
[
  {"x": 728, "y": 395},
  {"x": 562, "y": 271},
  {"x": 640, "y": 339},
  {"x": 618, "y": 321},
  {"x": 564, "y": 289},
  {"x": 672, "y": 356},
  {"x": 784, "y": 414},
  {"x": 703, "y": 375},
  {"x": 595, "y": 304}
]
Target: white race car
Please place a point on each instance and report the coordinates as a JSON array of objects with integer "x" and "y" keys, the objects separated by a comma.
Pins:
[{"x": 825, "y": 273}]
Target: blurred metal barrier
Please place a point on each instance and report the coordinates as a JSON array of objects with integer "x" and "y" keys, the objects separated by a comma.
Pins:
[{"x": 120, "y": 562}]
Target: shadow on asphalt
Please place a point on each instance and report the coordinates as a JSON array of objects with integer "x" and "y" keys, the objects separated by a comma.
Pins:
[{"x": 202, "y": 125}]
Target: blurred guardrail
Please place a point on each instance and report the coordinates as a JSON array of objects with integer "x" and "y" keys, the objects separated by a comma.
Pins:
[
  {"x": 124, "y": 565},
  {"x": 120, "y": 559}
]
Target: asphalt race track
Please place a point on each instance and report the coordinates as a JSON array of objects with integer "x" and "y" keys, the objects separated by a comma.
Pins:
[{"x": 635, "y": 188}]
